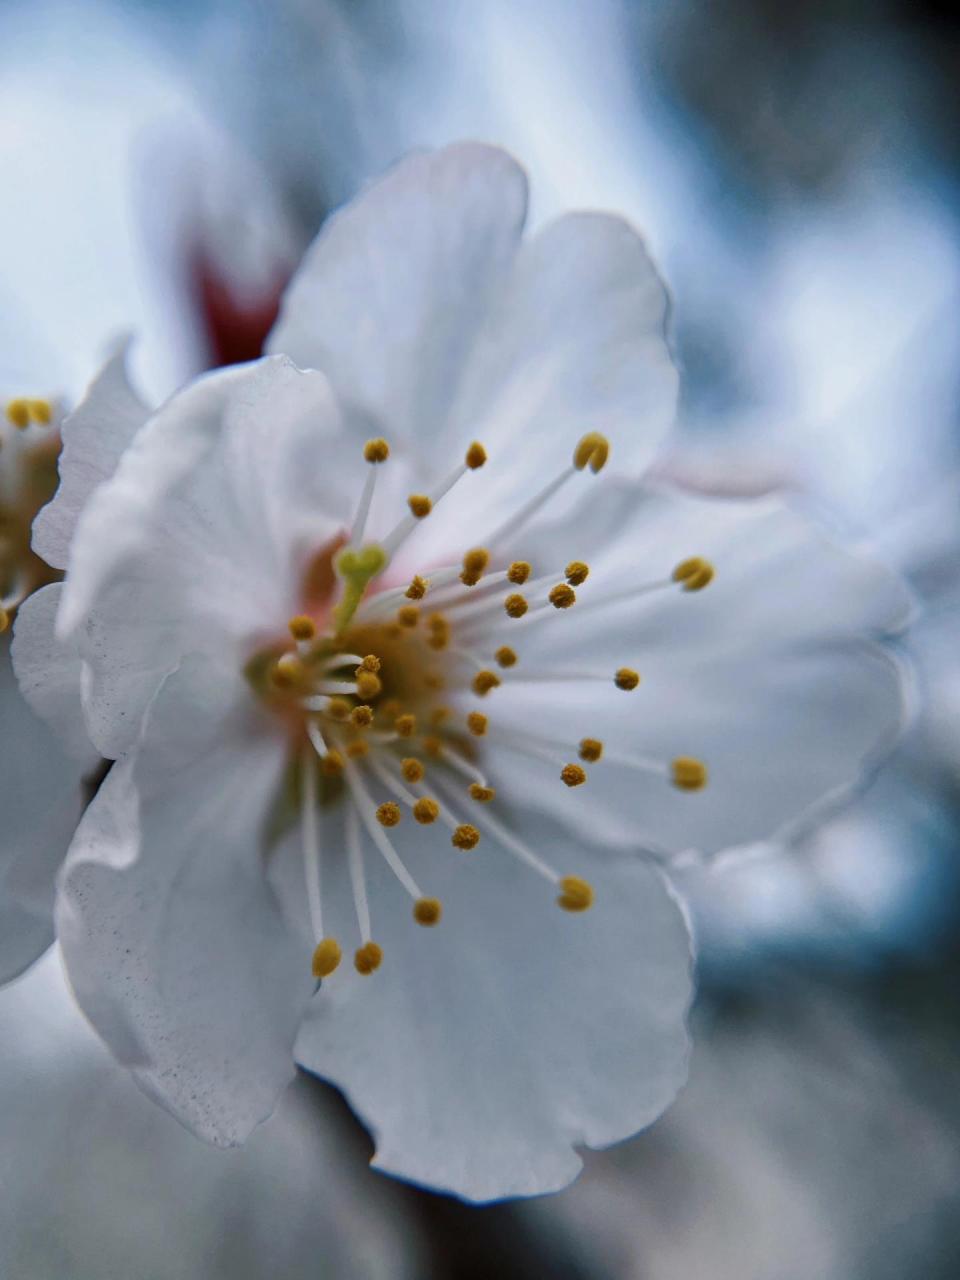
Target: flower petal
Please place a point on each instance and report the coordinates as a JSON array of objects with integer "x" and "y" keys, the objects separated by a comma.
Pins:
[
  {"x": 95, "y": 436},
  {"x": 485, "y": 1049},
  {"x": 174, "y": 945}
]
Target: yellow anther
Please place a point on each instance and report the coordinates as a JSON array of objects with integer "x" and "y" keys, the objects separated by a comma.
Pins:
[
  {"x": 408, "y": 615},
  {"x": 515, "y": 605},
  {"x": 484, "y": 681},
  {"x": 688, "y": 774},
  {"x": 405, "y": 725},
  {"x": 519, "y": 572},
  {"x": 575, "y": 894},
  {"x": 426, "y": 811},
  {"x": 338, "y": 709},
  {"x": 412, "y": 769},
  {"x": 18, "y": 412},
  {"x": 574, "y": 775},
  {"x": 591, "y": 750},
  {"x": 695, "y": 573},
  {"x": 505, "y": 656},
  {"x": 302, "y": 627},
  {"x": 562, "y": 596},
  {"x": 417, "y": 588},
  {"x": 326, "y": 957},
  {"x": 370, "y": 663},
  {"x": 440, "y": 715},
  {"x": 376, "y": 450},
  {"x": 438, "y": 640},
  {"x": 427, "y": 911},
  {"x": 420, "y": 505},
  {"x": 433, "y": 746},
  {"x": 332, "y": 764},
  {"x": 477, "y": 723},
  {"x": 465, "y": 837},
  {"x": 438, "y": 622},
  {"x": 576, "y": 572},
  {"x": 439, "y": 629},
  {"x": 358, "y": 748},
  {"x": 388, "y": 814},
  {"x": 368, "y": 958},
  {"x": 592, "y": 450},
  {"x": 476, "y": 456},
  {"x": 288, "y": 672},
  {"x": 483, "y": 794},
  {"x": 476, "y": 561},
  {"x": 362, "y": 716},
  {"x": 626, "y": 678},
  {"x": 4, "y": 620},
  {"x": 368, "y": 684},
  {"x": 41, "y": 412}
]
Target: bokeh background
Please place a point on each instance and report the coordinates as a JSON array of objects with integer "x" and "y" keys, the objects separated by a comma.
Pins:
[{"x": 794, "y": 168}]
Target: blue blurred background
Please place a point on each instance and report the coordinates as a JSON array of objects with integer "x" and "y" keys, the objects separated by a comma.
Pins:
[{"x": 794, "y": 169}]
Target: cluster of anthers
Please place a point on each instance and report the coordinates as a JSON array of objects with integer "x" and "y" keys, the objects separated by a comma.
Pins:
[
  {"x": 29, "y": 445},
  {"x": 368, "y": 689}
]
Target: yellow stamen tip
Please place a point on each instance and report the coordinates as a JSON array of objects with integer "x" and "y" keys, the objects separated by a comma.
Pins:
[
  {"x": 370, "y": 663},
  {"x": 626, "y": 678},
  {"x": 405, "y": 725},
  {"x": 368, "y": 958},
  {"x": 426, "y": 811},
  {"x": 483, "y": 794},
  {"x": 562, "y": 596},
  {"x": 357, "y": 749},
  {"x": 519, "y": 572},
  {"x": 302, "y": 627},
  {"x": 18, "y": 413},
  {"x": 338, "y": 709},
  {"x": 476, "y": 561},
  {"x": 515, "y": 605},
  {"x": 484, "y": 681},
  {"x": 433, "y": 746},
  {"x": 326, "y": 957},
  {"x": 477, "y": 723},
  {"x": 465, "y": 837},
  {"x": 505, "y": 656},
  {"x": 592, "y": 451},
  {"x": 412, "y": 768},
  {"x": 388, "y": 814},
  {"x": 575, "y": 894},
  {"x": 576, "y": 572},
  {"x": 420, "y": 505},
  {"x": 417, "y": 588},
  {"x": 427, "y": 911},
  {"x": 688, "y": 774},
  {"x": 695, "y": 573},
  {"x": 368, "y": 684},
  {"x": 440, "y": 715},
  {"x": 476, "y": 456},
  {"x": 573, "y": 775},
  {"x": 288, "y": 672},
  {"x": 591, "y": 749},
  {"x": 332, "y": 764},
  {"x": 408, "y": 615},
  {"x": 41, "y": 412},
  {"x": 376, "y": 450},
  {"x": 362, "y": 716}
]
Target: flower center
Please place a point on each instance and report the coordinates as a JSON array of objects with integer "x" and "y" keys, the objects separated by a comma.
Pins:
[
  {"x": 384, "y": 703},
  {"x": 29, "y": 447}
]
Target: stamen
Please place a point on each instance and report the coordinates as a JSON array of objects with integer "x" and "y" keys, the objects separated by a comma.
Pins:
[
  {"x": 374, "y": 451},
  {"x": 507, "y": 840},
  {"x": 310, "y": 839},
  {"x": 417, "y": 588},
  {"x": 357, "y": 749},
  {"x": 562, "y": 596},
  {"x": 358, "y": 880},
  {"x": 575, "y": 894},
  {"x": 326, "y": 958},
  {"x": 412, "y": 769},
  {"x": 370, "y": 663},
  {"x": 591, "y": 750},
  {"x": 626, "y": 678},
  {"x": 481, "y": 794},
  {"x": 4, "y": 620},
  {"x": 368, "y": 817},
  {"x": 592, "y": 450},
  {"x": 427, "y": 911},
  {"x": 302, "y": 628},
  {"x": 688, "y": 774},
  {"x": 576, "y": 572},
  {"x": 519, "y": 572},
  {"x": 18, "y": 413},
  {"x": 426, "y": 811},
  {"x": 368, "y": 958},
  {"x": 483, "y": 682},
  {"x": 408, "y": 616},
  {"x": 405, "y": 725},
  {"x": 465, "y": 837},
  {"x": 420, "y": 505},
  {"x": 695, "y": 573},
  {"x": 368, "y": 685},
  {"x": 515, "y": 606},
  {"x": 573, "y": 775},
  {"x": 474, "y": 565},
  {"x": 362, "y": 716},
  {"x": 477, "y": 723},
  {"x": 388, "y": 814},
  {"x": 505, "y": 656},
  {"x": 475, "y": 457},
  {"x": 41, "y": 412}
]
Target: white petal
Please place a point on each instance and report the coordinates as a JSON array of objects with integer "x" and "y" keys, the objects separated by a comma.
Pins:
[
  {"x": 41, "y": 803},
  {"x": 484, "y": 1050},
  {"x": 95, "y": 436},
  {"x": 173, "y": 943}
]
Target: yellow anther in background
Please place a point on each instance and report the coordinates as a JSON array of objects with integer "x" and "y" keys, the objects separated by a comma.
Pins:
[
  {"x": 476, "y": 456},
  {"x": 332, "y": 764},
  {"x": 388, "y": 814},
  {"x": 368, "y": 685},
  {"x": 357, "y": 749},
  {"x": 417, "y": 588},
  {"x": 562, "y": 596},
  {"x": 368, "y": 958},
  {"x": 412, "y": 769},
  {"x": 626, "y": 678},
  {"x": 427, "y": 911},
  {"x": 477, "y": 723},
  {"x": 505, "y": 656},
  {"x": 18, "y": 412},
  {"x": 483, "y": 794},
  {"x": 426, "y": 811},
  {"x": 688, "y": 774},
  {"x": 370, "y": 663},
  {"x": 484, "y": 681},
  {"x": 326, "y": 957},
  {"x": 408, "y": 615},
  {"x": 515, "y": 605},
  {"x": 4, "y": 620},
  {"x": 592, "y": 450},
  {"x": 695, "y": 573},
  {"x": 519, "y": 572},
  {"x": 575, "y": 894},
  {"x": 302, "y": 627},
  {"x": 574, "y": 775},
  {"x": 591, "y": 749},
  {"x": 288, "y": 672},
  {"x": 433, "y": 746},
  {"x": 362, "y": 716},
  {"x": 474, "y": 564},
  {"x": 465, "y": 837},
  {"x": 338, "y": 709},
  {"x": 420, "y": 505},
  {"x": 576, "y": 572},
  {"x": 405, "y": 725},
  {"x": 41, "y": 412},
  {"x": 376, "y": 450},
  {"x": 440, "y": 715}
]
